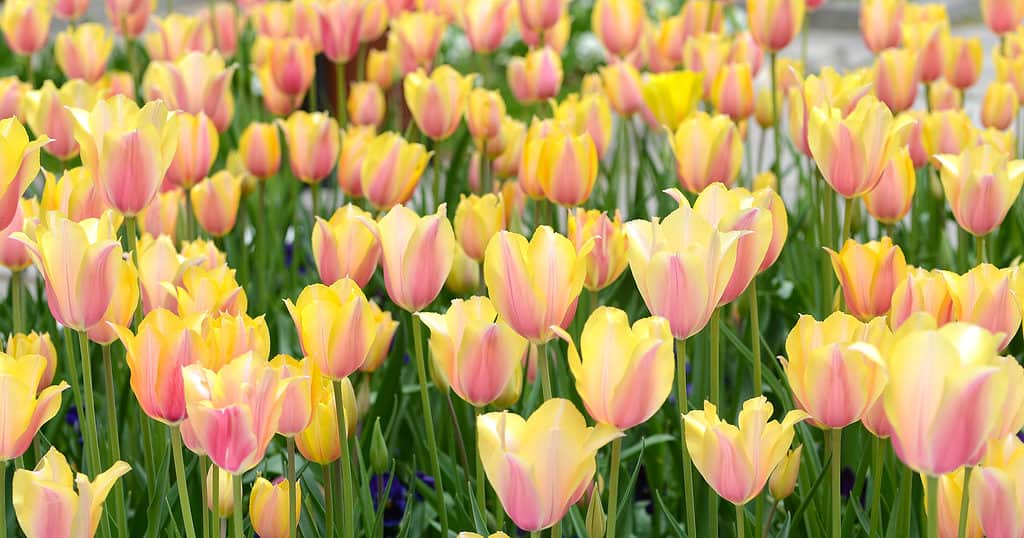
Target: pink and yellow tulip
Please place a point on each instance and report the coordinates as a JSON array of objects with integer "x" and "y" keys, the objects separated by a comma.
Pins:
[
  {"x": 868, "y": 274},
  {"x": 346, "y": 246}
]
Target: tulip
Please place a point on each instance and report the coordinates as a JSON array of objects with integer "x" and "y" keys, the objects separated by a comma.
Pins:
[
  {"x": 292, "y": 64},
  {"x": 834, "y": 367},
  {"x": 827, "y": 89},
  {"x": 774, "y": 23},
  {"x": 380, "y": 68},
  {"x": 203, "y": 253},
  {"x": 160, "y": 217},
  {"x": 477, "y": 220},
  {"x": 46, "y": 113},
  {"x": 195, "y": 83},
  {"x": 590, "y": 114},
  {"x": 880, "y": 23},
  {"x": 567, "y": 167},
  {"x": 484, "y": 113},
  {"x": 127, "y": 149},
  {"x": 366, "y": 104},
  {"x": 20, "y": 345},
  {"x": 685, "y": 256},
  {"x": 759, "y": 216},
  {"x": 417, "y": 36},
  {"x": 535, "y": 284},
  {"x": 340, "y": 23},
  {"x": 417, "y": 255},
  {"x": 26, "y": 25},
  {"x": 177, "y": 35},
  {"x": 733, "y": 91},
  {"x": 28, "y": 406},
  {"x": 981, "y": 184},
  {"x": 736, "y": 461},
  {"x": 766, "y": 180},
  {"x": 437, "y": 102},
  {"x": 196, "y": 151},
  {"x": 999, "y": 106},
  {"x": 225, "y": 502},
  {"x": 984, "y": 296},
  {"x": 344, "y": 247},
  {"x": 896, "y": 77},
  {"x": 268, "y": 507},
  {"x": 783, "y": 479},
  {"x": 224, "y": 25},
  {"x": 477, "y": 357},
  {"x": 921, "y": 291},
  {"x": 75, "y": 196},
  {"x": 535, "y": 77},
  {"x": 381, "y": 346},
  {"x": 943, "y": 96},
  {"x": 82, "y": 51},
  {"x": 622, "y": 87},
  {"x": 485, "y": 23},
  {"x": 622, "y": 393},
  {"x": 672, "y": 97},
  {"x": 233, "y": 413},
  {"x": 70, "y": 10},
  {"x": 46, "y": 503},
  {"x": 963, "y": 61},
  {"x": 78, "y": 261},
  {"x": 618, "y": 24},
  {"x": 210, "y": 291},
  {"x": 22, "y": 154},
  {"x": 890, "y": 200},
  {"x": 319, "y": 442},
  {"x": 1002, "y": 16},
  {"x": 391, "y": 169},
  {"x": 314, "y": 141},
  {"x": 123, "y": 303},
  {"x": 298, "y": 404},
  {"x": 260, "y": 147},
  {"x": 227, "y": 336},
  {"x": 707, "y": 149},
  {"x": 464, "y": 277},
  {"x": 551, "y": 454},
  {"x": 868, "y": 274},
  {"x": 926, "y": 39},
  {"x": 129, "y": 17},
  {"x": 745, "y": 50},
  {"x": 540, "y": 15},
  {"x": 707, "y": 53},
  {"x": 853, "y": 151},
  {"x": 159, "y": 265},
  {"x": 336, "y": 326},
  {"x": 947, "y": 131},
  {"x": 350, "y": 161},
  {"x": 607, "y": 260},
  {"x": 275, "y": 100},
  {"x": 1010, "y": 69},
  {"x": 12, "y": 89},
  {"x": 995, "y": 489},
  {"x": 944, "y": 389},
  {"x": 215, "y": 201}
]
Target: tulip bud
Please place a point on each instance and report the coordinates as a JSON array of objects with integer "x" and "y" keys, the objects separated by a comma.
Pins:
[
  {"x": 340, "y": 26},
  {"x": 70, "y": 10},
  {"x": 417, "y": 255},
  {"x": 437, "y": 102},
  {"x": 766, "y": 180},
  {"x": 999, "y": 106},
  {"x": 486, "y": 22},
  {"x": 896, "y": 78},
  {"x": 25, "y": 25},
  {"x": 926, "y": 39},
  {"x": 981, "y": 184},
  {"x": 707, "y": 149},
  {"x": 595, "y": 517},
  {"x": 391, "y": 169},
  {"x": 984, "y": 296},
  {"x": 313, "y": 144},
  {"x": 484, "y": 114},
  {"x": 536, "y": 77},
  {"x": 366, "y": 104},
  {"x": 380, "y": 68},
  {"x": 622, "y": 86},
  {"x": 619, "y": 25},
  {"x": 268, "y": 507},
  {"x": 225, "y": 496},
  {"x": 1002, "y": 16},
  {"x": 477, "y": 219},
  {"x": 963, "y": 62},
  {"x": 374, "y": 21},
  {"x": 774, "y": 23},
  {"x": 129, "y": 17},
  {"x": 784, "y": 477},
  {"x": 733, "y": 92},
  {"x": 868, "y": 274},
  {"x": 82, "y": 51},
  {"x": 260, "y": 148},
  {"x": 567, "y": 167},
  {"x": 215, "y": 202},
  {"x": 198, "y": 144},
  {"x": 764, "y": 109},
  {"x": 380, "y": 459},
  {"x": 890, "y": 200},
  {"x": 607, "y": 260}
]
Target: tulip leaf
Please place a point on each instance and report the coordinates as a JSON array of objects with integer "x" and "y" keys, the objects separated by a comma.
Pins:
[{"x": 668, "y": 516}]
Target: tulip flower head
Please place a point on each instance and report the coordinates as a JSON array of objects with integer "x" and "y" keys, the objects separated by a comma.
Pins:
[
  {"x": 26, "y": 407},
  {"x": 981, "y": 184},
  {"x": 129, "y": 17},
  {"x": 25, "y": 25},
  {"x": 783, "y": 480},
  {"x": 437, "y": 102},
  {"x": 215, "y": 201},
  {"x": 890, "y": 200},
  {"x": 314, "y": 141},
  {"x": 82, "y": 51},
  {"x": 868, "y": 274},
  {"x": 260, "y": 148},
  {"x": 737, "y": 461},
  {"x": 346, "y": 246},
  {"x": 477, "y": 219},
  {"x": 880, "y": 23},
  {"x": 196, "y": 151},
  {"x": 542, "y": 465},
  {"x": 996, "y": 489},
  {"x": 535, "y": 77},
  {"x": 774, "y": 23},
  {"x": 672, "y": 97},
  {"x": 417, "y": 37},
  {"x": 391, "y": 168},
  {"x": 985, "y": 296},
  {"x": 708, "y": 149},
  {"x": 618, "y": 24},
  {"x": 340, "y": 24},
  {"x": 47, "y": 504},
  {"x": 896, "y": 77},
  {"x": 486, "y": 22},
  {"x": 23, "y": 155},
  {"x": 319, "y": 442},
  {"x": 417, "y": 255},
  {"x": 365, "y": 103},
  {"x": 268, "y": 507},
  {"x": 964, "y": 58},
  {"x": 196, "y": 82},
  {"x": 607, "y": 260}
]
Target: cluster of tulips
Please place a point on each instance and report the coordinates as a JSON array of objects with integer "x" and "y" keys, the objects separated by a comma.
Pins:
[{"x": 194, "y": 207}]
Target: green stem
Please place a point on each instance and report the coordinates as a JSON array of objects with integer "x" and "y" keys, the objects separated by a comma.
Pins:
[
  {"x": 776, "y": 137},
  {"x": 89, "y": 413},
  {"x": 681, "y": 400},
  {"x": 315, "y": 194},
  {"x": 237, "y": 488},
  {"x": 187, "y": 222},
  {"x": 965, "y": 502},
  {"x": 293, "y": 486},
  {"x": 933, "y": 506},
  {"x": 329, "y": 485},
  {"x": 204, "y": 466},
  {"x": 436, "y": 162},
  {"x": 847, "y": 220},
  {"x": 755, "y": 336},
  {"x": 556, "y": 530},
  {"x": 613, "y": 487},
  {"x": 179, "y": 470},
  {"x": 543, "y": 370},
  {"x": 877, "y": 468},
  {"x": 980, "y": 252},
  {"x": 347, "y": 500},
  {"x": 421, "y": 374},
  {"x": 29, "y": 75},
  {"x": 3, "y": 498},
  {"x": 481, "y": 488},
  {"x": 132, "y": 238},
  {"x": 740, "y": 521},
  {"x": 115, "y": 441},
  {"x": 715, "y": 334},
  {"x": 341, "y": 81},
  {"x": 906, "y": 491},
  {"x": 17, "y": 302},
  {"x": 836, "y": 436},
  {"x": 215, "y": 500}
]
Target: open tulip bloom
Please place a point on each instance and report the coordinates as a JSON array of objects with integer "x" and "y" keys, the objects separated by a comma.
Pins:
[{"x": 368, "y": 268}]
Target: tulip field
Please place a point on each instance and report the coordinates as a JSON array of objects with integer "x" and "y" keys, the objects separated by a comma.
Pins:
[{"x": 500, "y": 268}]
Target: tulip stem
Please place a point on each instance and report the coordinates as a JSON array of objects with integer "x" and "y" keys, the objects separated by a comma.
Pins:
[
  {"x": 740, "y": 521},
  {"x": 215, "y": 500},
  {"x": 328, "y": 480},
  {"x": 613, "y": 487},
  {"x": 89, "y": 413},
  {"x": 542, "y": 367},
  {"x": 341, "y": 81},
  {"x": 237, "y": 487},
  {"x": 755, "y": 336},
  {"x": 836, "y": 438},
  {"x": 776, "y": 139},
  {"x": 179, "y": 470},
  {"x": 132, "y": 239},
  {"x": 681, "y": 401},
  {"x": 436, "y": 162},
  {"x": 204, "y": 464},
  {"x": 981, "y": 253},
  {"x": 421, "y": 374},
  {"x": 315, "y": 195},
  {"x": 17, "y": 302},
  {"x": 115, "y": 441},
  {"x": 292, "y": 485},
  {"x": 877, "y": 468},
  {"x": 716, "y": 375},
  {"x": 847, "y": 220},
  {"x": 481, "y": 489},
  {"x": 347, "y": 498},
  {"x": 3, "y": 498},
  {"x": 965, "y": 501},
  {"x": 933, "y": 506}
]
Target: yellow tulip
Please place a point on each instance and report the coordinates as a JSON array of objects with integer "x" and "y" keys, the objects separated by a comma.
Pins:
[
  {"x": 24, "y": 412},
  {"x": 209, "y": 291},
  {"x": 268, "y": 507},
  {"x": 22, "y": 154},
  {"x": 319, "y": 442},
  {"x": 227, "y": 336},
  {"x": 783, "y": 479},
  {"x": 477, "y": 219},
  {"x": 672, "y": 97}
]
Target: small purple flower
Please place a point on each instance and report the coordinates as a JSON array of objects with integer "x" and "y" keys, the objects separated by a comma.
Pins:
[{"x": 394, "y": 503}]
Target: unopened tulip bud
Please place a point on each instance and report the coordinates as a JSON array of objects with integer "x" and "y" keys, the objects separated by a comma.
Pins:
[
  {"x": 268, "y": 507},
  {"x": 784, "y": 477},
  {"x": 890, "y": 200},
  {"x": 82, "y": 51},
  {"x": 595, "y": 517},
  {"x": 198, "y": 144},
  {"x": 391, "y": 169},
  {"x": 313, "y": 144},
  {"x": 380, "y": 459},
  {"x": 999, "y": 106},
  {"x": 380, "y": 68},
  {"x": 437, "y": 102},
  {"x": 707, "y": 149}
]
